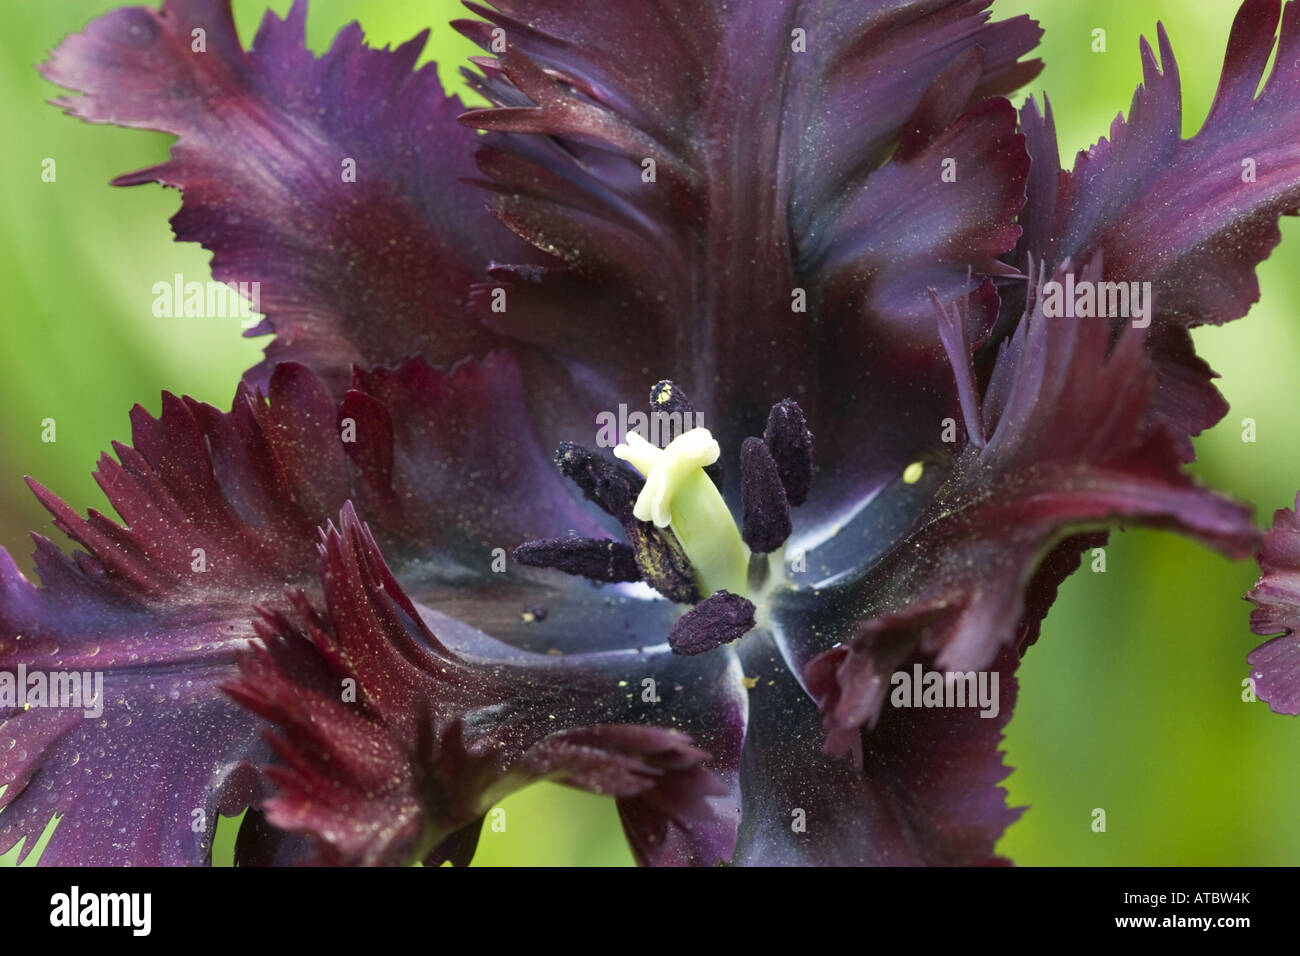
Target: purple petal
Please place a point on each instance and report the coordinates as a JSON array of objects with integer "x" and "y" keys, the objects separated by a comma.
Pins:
[
  {"x": 370, "y": 271},
  {"x": 770, "y": 176},
  {"x": 1193, "y": 217},
  {"x": 1071, "y": 450},
  {"x": 431, "y": 738},
  {"x": 1275, "y": 666},
  {"x": 167, "y": 750},
  {"x": 222, "y": 512},
  {"x": 926, "y": 791}
]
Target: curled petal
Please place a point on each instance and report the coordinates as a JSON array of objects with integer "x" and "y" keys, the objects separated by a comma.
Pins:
[
  {"x": 925, "y": 792},
  {"x": 1193, "y": 217},
  {"x": 1275, "y": 665},
  {"x": 1070, "y": 451},
  {"x": 429, "y": 739},
  {"x": 334, "y": 183},
  {"x": 221, "y": 511}
]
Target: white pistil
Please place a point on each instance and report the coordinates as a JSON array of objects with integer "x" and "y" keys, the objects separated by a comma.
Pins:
[{"x": 678, "y": 494}]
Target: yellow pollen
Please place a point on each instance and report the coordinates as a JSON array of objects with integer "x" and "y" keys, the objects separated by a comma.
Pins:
[{"x": 912, "y": 473}]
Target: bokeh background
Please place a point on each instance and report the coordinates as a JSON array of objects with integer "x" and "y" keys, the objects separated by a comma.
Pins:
[{"x": 1130, "y": 702}]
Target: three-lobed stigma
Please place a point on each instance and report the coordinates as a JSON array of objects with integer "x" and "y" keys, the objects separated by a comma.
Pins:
[{"x": 678, "y": 494}]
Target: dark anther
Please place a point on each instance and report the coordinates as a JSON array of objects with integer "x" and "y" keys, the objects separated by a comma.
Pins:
[
  {"x": 663, "y": 563},
  {"x": 614, "y": 487},
  {"x": 667, "y": 398},
  {"x": 719, "y": 619},
  {"x": 610, "y": 484},
  {"x": 791, "y": 445},
  {"x": 763, "y": 498},
  {"x": 610, "y": 561}
]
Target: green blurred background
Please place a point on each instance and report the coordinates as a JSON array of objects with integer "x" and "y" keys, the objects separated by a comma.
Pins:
[{"x": 1131, "y": 701}]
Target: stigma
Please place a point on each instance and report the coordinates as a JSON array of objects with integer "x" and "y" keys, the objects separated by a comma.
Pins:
[{"x": 679, "y": 495}]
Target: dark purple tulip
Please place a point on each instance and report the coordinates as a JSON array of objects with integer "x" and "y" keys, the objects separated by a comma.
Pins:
[{"x": 823, "y": 222}]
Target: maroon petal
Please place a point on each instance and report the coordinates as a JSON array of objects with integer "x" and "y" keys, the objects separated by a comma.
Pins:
[
  {"x": 221, "y": 511},
  {"x": 1071, "y": 450},
  {"x": 1193, "y": 217},
  {"x": 924, "y": 793},
  {"x": 777, "y": 177},
  {"x": 166, "y": 752},
  {"x": 431, "y": 739},
  {"x": 1275, "y": 666},
  {"x": 369, "y": 271}
]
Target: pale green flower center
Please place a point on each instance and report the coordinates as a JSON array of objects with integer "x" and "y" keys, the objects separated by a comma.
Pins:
[{"x": 679, "y": 495}]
